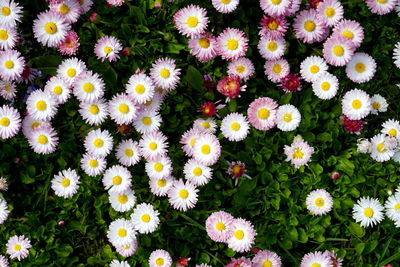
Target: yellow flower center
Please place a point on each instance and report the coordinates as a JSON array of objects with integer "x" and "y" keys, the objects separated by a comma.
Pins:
[
  {"x": 220, "y": 226},
  {"x": 392, "y": 132},
  {"x": 314, "y": 69},
  {"x": 123, "y": 199},
  {"x": 277, "y": 68},
  {"x": 164, "y": 73},
  {"x": 330, "y": 12},
  {"x": 319, "y": 202},
  {"x": 237, "y": 169},
  {"x": 42, "y": 139},
  {"x": 315, "y": 265},
  {"x": 309, "y": 25},
  {"x": 197, "y": 171},
  {"x": 272, "y": 46},
  {"x": 381, "y": 147},
  {"x": 360, "y": 67},
  {"x": 232, "y": 44},
  {"x": 35, "y": 124},
  {"x": 4, "y": 122},
  {"x": 161, "y": 182},
  {"x": 93, "y": 163},
  {"x": 5, "y": 11},
  {"x": 192, "y": 141},
  {"x": 239, "y": 234},
  {"x": 9, "y": 64},
  {"x": 368, "y": 212},
  {"x": 145, "y": 218},
  {"x": 348, "y": 34},
  {"x": 140, "y": 89},
  {"x": 88, "y": 87},
  {"x": 325, "y": 86},
  {"x": 148, "y": 103},
  {"x": 57, "y": 90},
  {"x": 50, "y": 28},
  {"x": 160, "y": 261},
  {"x": 94, "y": 109},
  {"x": 225, "y": 2},
  {"x": 158, "y": 167},
  {"x": 71, "y": 73},
  {"x": 122, "y": 232},
  {"x": 205, "y": 149},
  {"x": 376, "y": 105},
  {"x": 267, "y": 263},
  {"x": 183, "y": 194},
  {"x": 298, "y": 154},
  {"x": 64, "y": 9},
  {"x": 206, "y": 125},
  {"x": 128, "y": 152},
  {"x": 204, "y": 43},
  {"x": 287, "y": 117},
  {"x": 98, "y": 142},
  {"x": 108, "y": 49},
  {"x": 117, "y": 180},
  {"x": 397, "y": 207},
  {"x": 123, "y": 108},
  {"x": 273, "y": 25},
  {"x": 192, "y": 22},
  {"x": 338, "y": 50},
  {"x": 146, "y": 120},
  {"x": 65, "y": 182},
  {"x": 235, "y": 126},
  {"x": 382, "y": 1},
  {"x": 17, "y": 247},
  {"x": 356, "y": 104},
  {"x": 240, "y": 69},
  {"x": 276, "y": 2},
  {"x": 3, "y": 35},
  {"x": 263, "y": 113},
  {"x": 153, "y": 146}
]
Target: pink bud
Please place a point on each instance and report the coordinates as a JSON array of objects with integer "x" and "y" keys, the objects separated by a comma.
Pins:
[
  {"x": 388, "y": 265},
  {"x": 17, "y": 160},
  {"x": 335, "y": 175},
  {"x": 61, "y": 223},
  {"x": 93, "y": 16},
  {"x": 125, "y": 52},
  {"x": 158, "y": 4},
  {"x": 255, "y": 250}
]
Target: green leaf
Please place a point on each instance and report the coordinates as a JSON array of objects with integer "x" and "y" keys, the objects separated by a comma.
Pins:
[
  {"x": 356, "y": 229},
  {"x": 194, "y": 78}
]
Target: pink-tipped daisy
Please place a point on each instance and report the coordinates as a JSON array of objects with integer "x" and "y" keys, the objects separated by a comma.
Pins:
[
  {"x": 140, "y": 87},
  {"x": 207, "y": 149},
  {"x": 8, "y": 38},
  {"x": 107, "y": 48},
  {"x": 159, "y": 168},
  {"x": 50, "y": 29},
  {"x": 127, "y": 152},
  {"x": 93, "y": 165},
  {"x": 8, "y": 90},
  {"x": 275, "y": 8},
  {"x": 164, "y": 73},
  {"x": 70, "y": 69},
  {"x": 29, "y": 124},
  {"x": 160, "y": 187},
  {"x": 299, "y": 152},
  {"x": 98, "y": 142},
  {"x": 123, "y": 109},
  {"x": 315, "y": 259},
  {"x": 262, "y": 113},
  {"x": 232, "y": 44},
  {"x": 117, "y": 179},
  {"x": 66, "y": 183},
  {"x": 70, "y": 44},
  {"x": 11, "y": 65},
  {"x": 273, "y": 27},
  {"x": 160, "y": 258},
  {"x": 43, "y": 140},
  {"x": 308, "y": 28},
  {"x": 58, "y": 88},
  {"x": 338, "y": 51},
  {"x": 361, "y": 68},
  {"x": 235, "y": 127},
  {"x": 85, "y": 5},
  {"x": 10, "y": 14},
  {"x": 266, "y": 258},
  {"x": 94, "y": 113},
  {"x": 127, "y": 250},
  {"x": 203, "y": 47},
  {"x": 312, "y": 68},
  {"x": 330, "y": 12},
  {"x": 10, "y": 122},
  {"x": 41, "y": 105},
  {"x": 319, "y": 202},
  {"x": 182, "y": 196},
  {"x": 381, "y": 7},
  {"x": 197, "y": 173},
  {"x": 218, "y": 226},
  {"x": 271, "y": 49},
  {"x": 356, "y": 104},
  {"x": 351, "y": 30},
  {"x": 243, "y": 237},
  {"x": 241, "y": 67},
  {"x": 188, "y": 140},
  {"x": 191, "y": 21},
  {"x": 153, "y": 145},
  {"x": 69, "y": 10},
  {"x": 225, "y": 6},
  {"x": 88, "y": 87},
  {"x": 18, "y": 247},
  {"x": 276, "y": 69},
  {"x": 147, "y": 121}
]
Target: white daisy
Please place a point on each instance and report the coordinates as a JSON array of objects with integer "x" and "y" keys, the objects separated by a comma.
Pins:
[
  {"x": 243, "y": 237},
  {"x": 326, "y": 86},
  {"x": 379, "y": 104},
  {"x": 368, "y": 212},
  {"x": 242, "y": 67},
  {"x": 392, "y": 128},
  {"x": 140, "y": 87},
  {"x": 208, "y": 125},
  {"x": 29, "y": 124},
  {"x": 380, "y": 150},
  {"x": 122, "y": 201},
  {"x": 127, "y": 152},
  {"x": 207, "y": 149},
  {"x": 88, "y": 87},
  {"x": 93, "y": 165},
  {"x": 392, "y": 208},
  {"x": 396, "y": 50},
  {"x": 116, "y": 263},
  {"x": 288, "y": 117},
  {"x": 319, "y": 202},
  {"x": 312, "y": 68},
  {"x": 98, "y": 142},
  {"x": 121, "y": 232},
  {"x": 10, "y": 14},
  {"x": 164, "y": 73},
  {"x": 58, "y": 88},
  {"x": 159, "y": 168},
  {"x": 70, "y": 69},
  {"x": 153, "y": 145},
  {"x": 8, "y": 89},
  {"x": 50, "y": 28},
  {"x": 361, "y": 68},
  {"x": 235, "y": 127},
  {"x": 276, "y": 69},
  {"x": 8, "y": 38},
  {"x": 94, "y": 113},
  {"x": 12, "y": 65},
  {"x": 43, "y": 140},
  {"x": 356, "y": 104},
  {"x": 330, "y": 12},
  {"x": 271, "y": 49},
  {"x": 117, "y": 179},
  {"x": 10, "y": 122},
  {"x": 225, "y": 6},
  {"x": 4, "y": 212},
  {"x": 147, "y": 121},
  {"x": 275, "y": 8},
  {"x": 70, "y": 10},
  {"x": 145, "y": 218},
  {"x": 191, "y": 21},
  {"x": 160, "y": 187},
  {"x": 154, "y": 104},
  {"x": 197, "y": 173},
  {"x": 41, "y": 105},
  {"x": 122, "y": 109},
  {"x": 65, "y": 183},
  {"x": 160, "y": 258},
  {"x": 182, "y": 196}
]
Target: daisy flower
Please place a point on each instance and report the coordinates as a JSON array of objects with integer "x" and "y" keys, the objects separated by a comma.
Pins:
[
  {"x": 160, "y": 187},
  {"x": 273, "y": 27},
  {"x": 312, "y": 68},
  {"x": 182, "y": 196},
  {"x": 335, "y": 260},
  {"x": 275, "y": 8},
  {"x": 319, "y": 202},
  {"x": 235, "y": 127},
  {"x": 115, "y": 2},
  {"x": 236, "y": 170},
  {"x": 127, "y": 250},
  {"x": 10, "y": 122},
  {"x": 43, "y": 140},
  {"x": 147, "y": 121},
  {"x": 85, "y": 5},
  {"x": 107, "y": 47},
  {"x": 50, "y": 29},
  {"x": 122, "y": 201},
  {"x": 94, "y": 113},
  {"x": 241, "y": 67},
  {"x": 159, "y": 168},
  {"x": 164, "y": 73},
  {"x": 18, "y": 247},
  {"x": 380, "y": 149},
  {"x": 3, "y": 184},
  {"x": 116, "y": 263},
  {"x": 232, "y": 44},
  {"x": 98, "y": 142},
  {"x": 66, "y": 183},
  {"x": 243, "y": 237},
  {"x": 381, "y": 7},
  {"x": 121, "y": 232},
  {"x": 207, "y": 149},
  {"x": 308, "y": 28},
  {"x": 338, "y": 51},
  {"x": 93, "y": 165},
  {"x": 316, "y": 258},
  {"x": 361, "y": 68},
  {"x": 127, "y": 152},
  {"x": 353, "y": 126},
  {"x": 117, "y": 179},
  {"x": 363, "y": 145},
  {"x": 288, "y": 117},
  {"x": 230, "y": 87},
  {"x": 10, "y": 14},
  {"x": 70, "y": 10},
  {"x": 70, "y": 44},
  {"x": 356, "y": 104},
  {"x": 326, "y": 86},
  {"x": 396, "y": 54},
  {"x": 330, "y": 12},
  {"x": 3, "y": 261},
  {"x": 392, "y": 208},
  {"x": 210, "y": 109},
  {"x": 160, "y": 258},
  {"x": 242, "y": 262},
  {"x": 4, "y": 212},
  {"x": 70, "y": 69},
  {"x": 11, "y": 65},
  {"x": 188, "y": 140},
  {"x": 145, "y": 218},
  {"x": 266, "y": 258},
  {"x": 218, "y": 226},
  {"x": 392, "y": 128},
  {"x": 8, "y": 90},
  {"x": 88, "y": 87},
  {"x": 379, "y": 104},
  {"x": 41, "y": 105},
  {"x": 294, "y": 6},
  {"x": 153, "y": 145},
  {"x": 8, "y": 38},
  {"x": 368, "y": 212},
  {"x": 225, "y": 6},
  {"x": 271, "y": 49},
  {"x": 140, "y": 87},
  {"x": 299, "y": 152},
  {"x": 276, "y": 69},
  {"x": 122, "y": 109},
  {"x": 290, "y": 83},
  {"x": 203, "y": 47},
  {"x": 191, "y": 21},
  {"x": 58, "y": 88},
  {"x": 197, "y": 173},
  {"x": 29, "y": 124},
  {"x": 351, "y": 30},
  {"x": 153, "y": 105}
]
